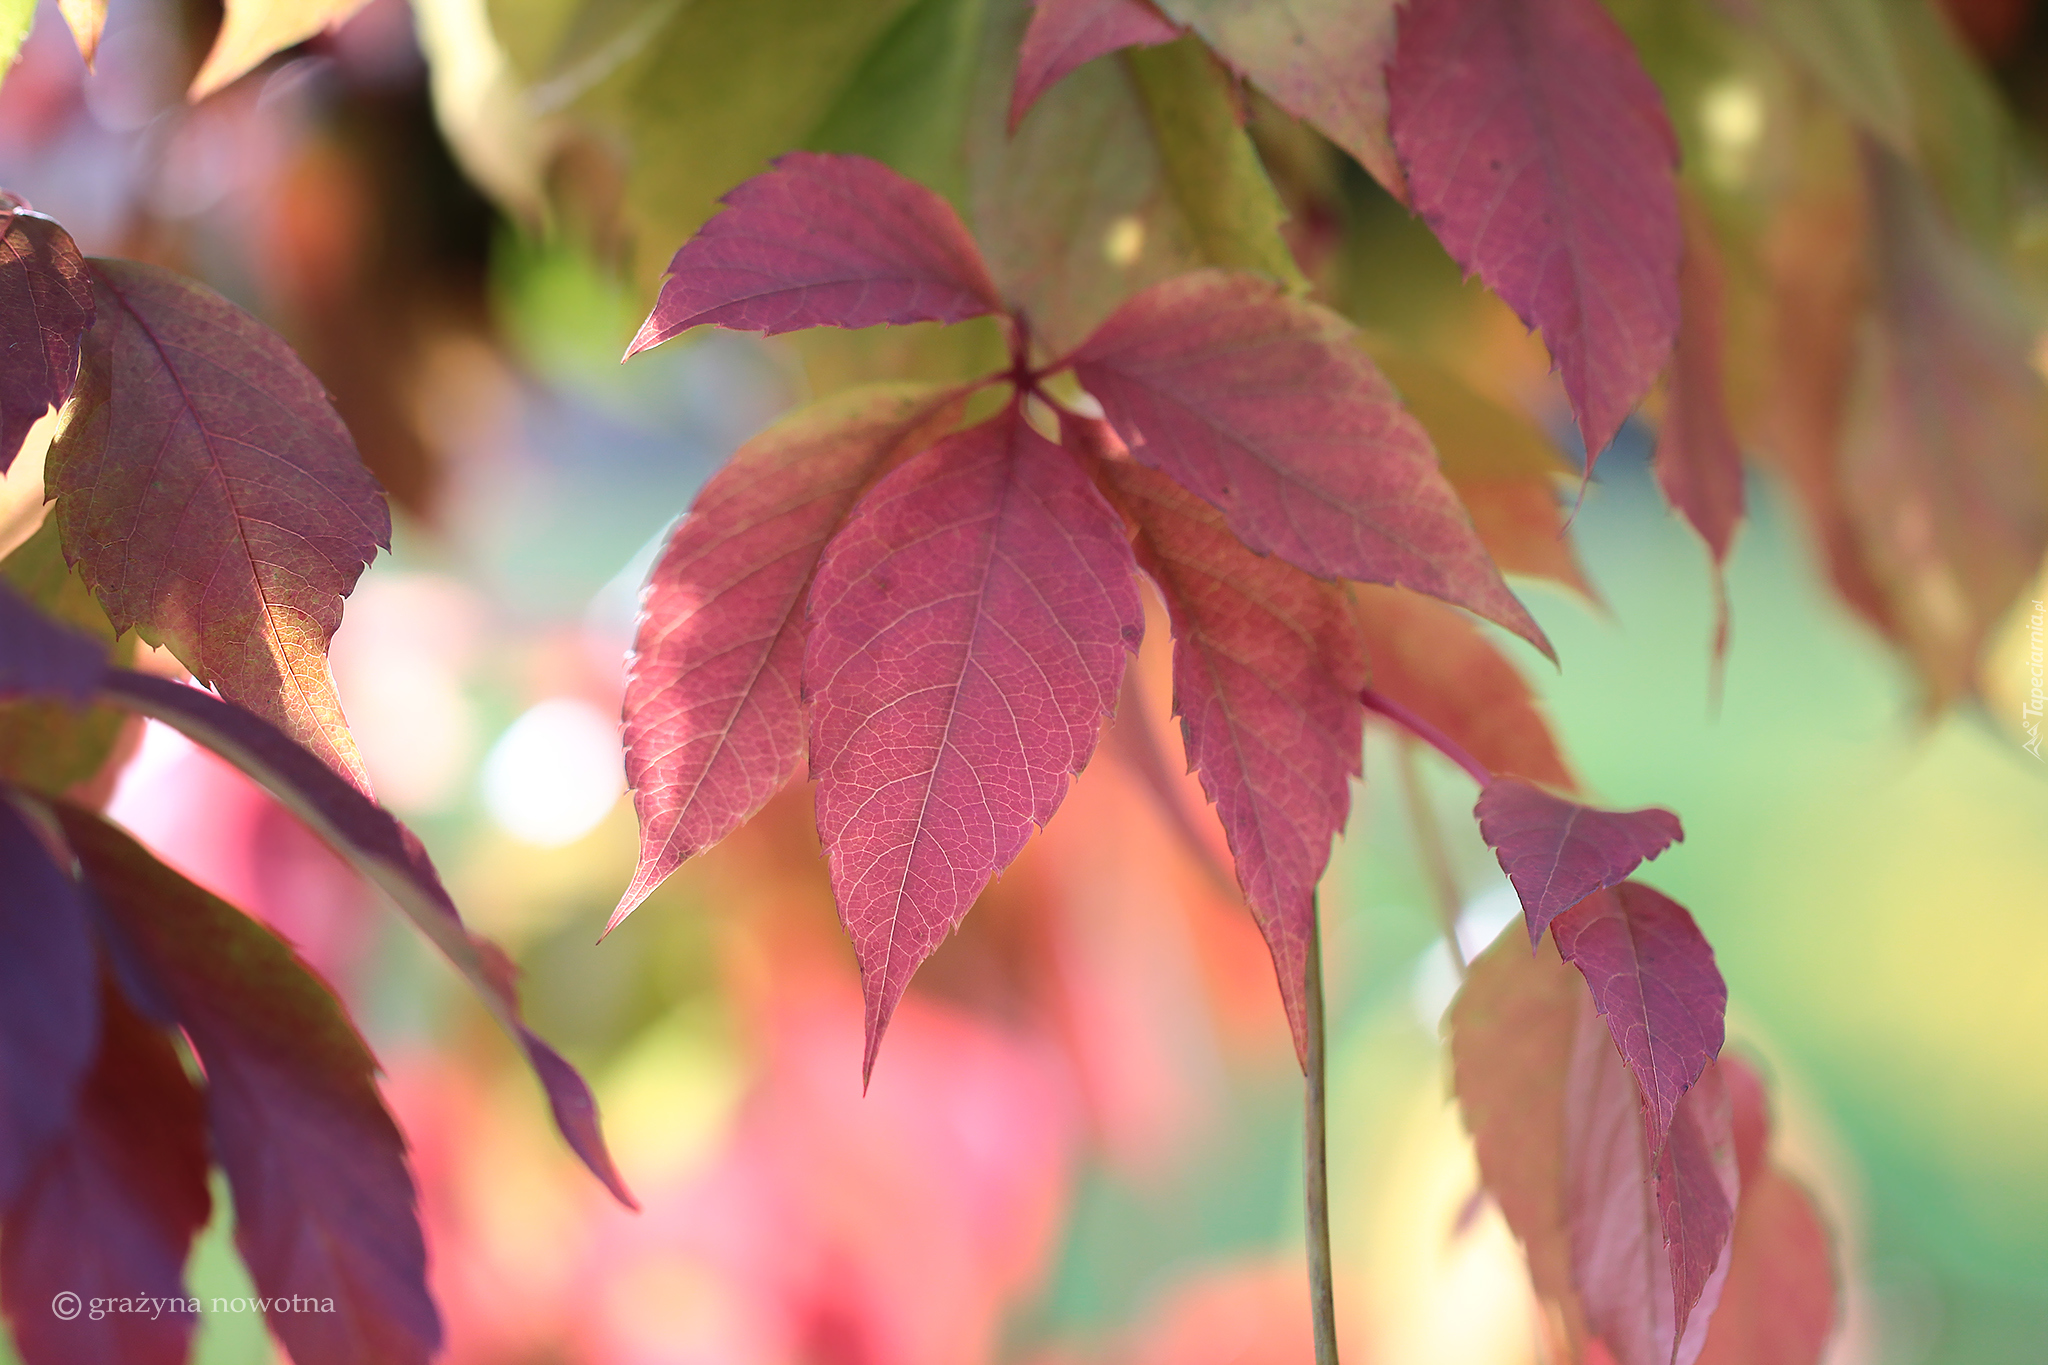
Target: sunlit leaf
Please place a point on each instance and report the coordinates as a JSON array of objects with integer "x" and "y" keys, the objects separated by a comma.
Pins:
[
  {"x": 1558, "y": 852},
  {"x": 252, "y": 30},
  {"x": 46, "y": 304},
  {"x": 86, "y": 19},
  {"x": 49, "y": 746}
]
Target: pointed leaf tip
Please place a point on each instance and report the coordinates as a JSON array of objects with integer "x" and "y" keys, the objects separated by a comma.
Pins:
[
  {"x": 1066, "y": 34},
  {"x": 46, "y": 305},
  {"x": 1558, "y": 852}
]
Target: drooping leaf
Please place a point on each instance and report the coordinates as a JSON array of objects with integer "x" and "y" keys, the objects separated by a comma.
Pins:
[
  {"x": 823, "y": 240},
  {"x": 49, "y": 746},
  {"x": 1438, "y": 664},
  {"x": 714, "y": 717},
  {"x": 968, "y": 630},
  {"x": 1558, "y": 852},
  {"x": 1323, "y": 61},
  {"x": 1264, "y": 406},
  {"x": 324, "y": 1204},
  {"x": 46, "y": 304},
  {"x": 252, "y": 30},
  {"x": 213, "y": 500},
  {"x": 86, "y": 19},
  {"x": 111, "y": 1210},
  {"x": 1653, "y": 978},
  {"x": 1065, "y": 34},
  {"x": 49, "y": 1008},
  {"x": 1267, "y": 666},
  {"x": 1536, "y": 148},
  {"x": 389, "y": 855},
  {"x": 41, "y": 658}
]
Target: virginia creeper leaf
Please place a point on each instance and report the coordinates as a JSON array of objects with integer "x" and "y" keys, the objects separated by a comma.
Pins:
[
  {"x": 1698, "y": 463},
  {"x": 1439, "y": 665},
  {"x": 1323, "y": 61},
  {"x": 823, "y": 241},
  {"x": 50, "y": 746},
  {"x": 45, "y": 306},
  {"x": 252, "y": 30},
  {"x": 1267, "y": 665},
  {"x": 1653, "y": 977},
  {"x": 714, "y": 717},
  {"x": 1558, "y": 852},
  {"x": 968, "y": 633},
  {"x": 112, "y": 1209},
  {"x": 86, "y": 19},
  {"x": 1264, "y": 406},
  {"x": 389, "y": 855},
  {"x": 49, "y": 1011},
  {"x": 1065, "y": 34},
  {"x": 213, "y": 500},
  {"x": 39, "y": 657},
  {"x": 1537, "y": 150},
  {"x": 16, "y": 18},
  {"x": 324, "y": 1204}
]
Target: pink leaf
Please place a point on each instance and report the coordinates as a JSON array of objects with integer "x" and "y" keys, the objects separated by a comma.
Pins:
[
  {"x": 212, "y": 499},
  {"x": 1558, "y": 852},
  {"x": 968, "y": 634},
  {"x": 40, "y": 657},
  {"x": 112, "y": 1211},
  {"x": 1699, "y": 464},
  {"x": 714, "y": 714},
  {"x": 1267, "y": 667},
  {"x": 823, "y": 240},
  {"x": 1065, "y": 34},
  {"x": 1537, "y": 150},
  {"x": 45, "y": 306},
  {"x": 1266, "y": 407}
]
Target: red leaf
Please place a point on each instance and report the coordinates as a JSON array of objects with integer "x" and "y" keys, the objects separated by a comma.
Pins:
[
  {"x": 1065, "y": 34},
  {"x": 714, "y": 713},
  {"x": 210, "y": 497},
  {"x": 40, "y": 657},
  {"x": 1537, "y": 150},
  {"x": 1698, "y": 463},
  {"x": 823, "y": 240},
  {"x": 48, "y": 1011},
  {"x": 1558, "y": 852},
  {"x": 1439, "y": 665},
  {"x": 324, "y": 1204},
  {"x": 968, "y": 633},
  {"x": 111, "y": 1212},
  {"x": 1653, "y": 976},
  {"x": 1267, "y": 667},
  {"x": 1264, "y": 405},
  {"x": 45, "y": 306}
]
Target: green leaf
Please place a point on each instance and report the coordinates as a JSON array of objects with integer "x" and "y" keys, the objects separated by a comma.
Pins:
[
  {"x": 16, "y": 16},
  {"x": 906, "y": 106},
  {"x": 48, "y": 746}
]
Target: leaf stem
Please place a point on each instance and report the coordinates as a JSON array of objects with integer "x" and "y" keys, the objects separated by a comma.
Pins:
[
  {"x": 1427, "y": 733},
  {"x": 1436, "y": 859},
  {"x": 1316, "y": 1174}
]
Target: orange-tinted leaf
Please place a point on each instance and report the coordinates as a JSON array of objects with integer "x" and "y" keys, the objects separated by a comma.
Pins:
[
  {"x": 252, "y": 30},
  {"x": 86, "y": 19},
  {"x": 46, "y": 304},
  {"x": 1698, "y": 463}
]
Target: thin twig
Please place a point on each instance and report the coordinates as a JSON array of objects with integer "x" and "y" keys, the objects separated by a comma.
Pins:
[
  {"x": 1436, "y": 859},
  {"x": 1321, "y": 1289},
  {"x": 1427, "y": 733}
]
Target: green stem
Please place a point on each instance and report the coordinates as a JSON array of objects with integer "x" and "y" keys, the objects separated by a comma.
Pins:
[{"x": 1321, "y": 1289}]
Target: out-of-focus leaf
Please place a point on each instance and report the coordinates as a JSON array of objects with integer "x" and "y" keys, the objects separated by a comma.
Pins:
[
  {"x": 86, "y": 19},
  {"x": 324, "y": 1204},
  {"x": 906, "y": 104},
  {"x": 252, "y": 30},
  {"x": 968, "y": 631},
  {"x": 714, "y": 719},
  {"x": 16, "y": 17},
  {"x": 49, "y": 1006},
  {"x": 49, "y": 746},
  {"x": 1537, "y": 150},
  {"x": 1433, "y": 660},
  {"x": 46, "y": 304},
  {"x": 40, "y": 658},
  {"x": 1323, "y": 61},
  {"x": 1558, "y": 852},
  {"x": 1653, "y": 978},
  {"x": 1267, "y": 666},
  {"x": 387, "y": 853},
  {"x": 1066, "y": 34},
  {"x": 1266, "y": 407},
  {"x": 213, "y": 500},
  {"x": 1851, "y": 48},
  {"x": 111, "y": 1211},
  {"x": 823, "y": 241}
]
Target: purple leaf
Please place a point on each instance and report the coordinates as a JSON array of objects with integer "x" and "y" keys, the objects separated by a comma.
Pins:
[
  {"x": 1265, "y": 406},
  {"x": 1696, "y": 1193},
  {"x": 1653, "y": 976},
  {"x": 387, "y": 853},
  {"x": 1267, "y": 666},
  {"x": 112, "y": 1210},
  {"x": 968, "y": 632},
  {"x": 212, "y": 499},
  {"x": 1065, "y": 34},
  {"x": 714, "y": 718},
  {"x": 49, "y": 1013},
  {"x": 324, "y": 1204},
  {"x": 1558, "y": 852},
  {"x": 45, "y": 306},
  {"x": 41, "y": 658},
  {"x": 823, "y": 240},
  {"x": 1537, "y": 150}
]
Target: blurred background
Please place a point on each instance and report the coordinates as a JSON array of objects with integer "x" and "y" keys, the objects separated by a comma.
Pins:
[{"x": 1083, "y": 1139}]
